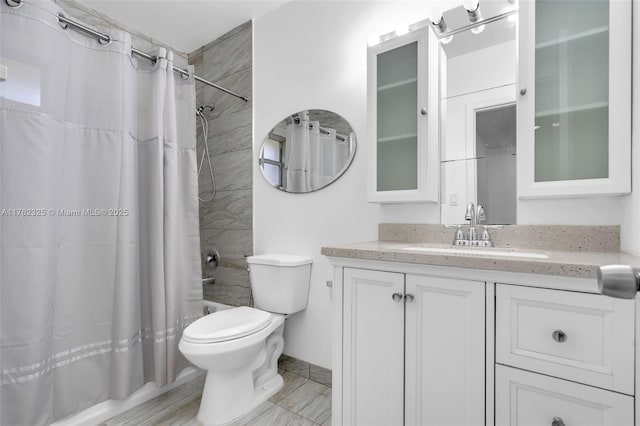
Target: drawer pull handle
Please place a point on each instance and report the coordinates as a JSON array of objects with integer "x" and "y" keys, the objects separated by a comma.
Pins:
[
  {"x": 397, "y": 297},
  {"x": 557, "y": 421},
  {"x": 559, "y": 336}
]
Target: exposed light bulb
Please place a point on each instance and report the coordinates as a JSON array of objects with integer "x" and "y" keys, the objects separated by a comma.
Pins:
[
  {"x": 446, "y": 40},
  {"x": 437, "y": 20},
  {"x": 473, "y": 10},
  {"x": 478, "y": 29},
  {"x": 470, "y": 5},
  {"x": 435, "y": 14},
  {"x": 373, "y": 40},
  {"x": 401, "y": 28}
]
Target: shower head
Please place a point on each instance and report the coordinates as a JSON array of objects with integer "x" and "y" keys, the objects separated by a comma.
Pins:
[{"x": 201, "y": 109}]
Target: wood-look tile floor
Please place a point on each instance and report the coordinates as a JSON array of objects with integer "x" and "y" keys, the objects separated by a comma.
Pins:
[{"x": 300, "y": 402}]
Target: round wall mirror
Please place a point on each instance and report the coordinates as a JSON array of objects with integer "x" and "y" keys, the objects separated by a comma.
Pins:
[{"x": 307, "y": 151}]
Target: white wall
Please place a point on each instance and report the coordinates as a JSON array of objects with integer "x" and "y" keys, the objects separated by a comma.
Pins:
[{"x": 312, "y": 54}]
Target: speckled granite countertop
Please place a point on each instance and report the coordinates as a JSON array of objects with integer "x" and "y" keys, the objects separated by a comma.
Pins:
[{"x": 569, "y": 263}]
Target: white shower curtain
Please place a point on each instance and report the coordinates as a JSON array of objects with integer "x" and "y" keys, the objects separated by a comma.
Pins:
[{"x": 99, "y": 258}]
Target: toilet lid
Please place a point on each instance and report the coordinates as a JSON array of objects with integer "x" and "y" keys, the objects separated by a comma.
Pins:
[{"x": 227, "y": 325}]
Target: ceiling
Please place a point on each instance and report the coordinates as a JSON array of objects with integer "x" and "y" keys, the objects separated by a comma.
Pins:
[{"x": 184, "y": 25}]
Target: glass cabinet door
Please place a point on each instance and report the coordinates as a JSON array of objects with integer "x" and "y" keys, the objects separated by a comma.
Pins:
[
  {"x": 398, "y": 119},
  {"x": 573, "y": 76}
]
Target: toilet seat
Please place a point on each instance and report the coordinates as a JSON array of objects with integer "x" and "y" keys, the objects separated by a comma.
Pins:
[{"x": 227, "y": 325}]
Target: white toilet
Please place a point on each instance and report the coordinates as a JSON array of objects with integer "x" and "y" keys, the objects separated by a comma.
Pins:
[{"x": 240, "y": 347}]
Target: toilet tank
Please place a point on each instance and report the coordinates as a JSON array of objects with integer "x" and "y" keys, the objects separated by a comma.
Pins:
[{"x": 280, "y": 282}]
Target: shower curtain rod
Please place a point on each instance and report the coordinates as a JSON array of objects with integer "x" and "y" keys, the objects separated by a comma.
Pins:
[{"x": 105, "y": 39}]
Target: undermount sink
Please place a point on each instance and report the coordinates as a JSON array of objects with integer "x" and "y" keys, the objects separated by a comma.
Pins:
[{"x": 480, "y": 251}]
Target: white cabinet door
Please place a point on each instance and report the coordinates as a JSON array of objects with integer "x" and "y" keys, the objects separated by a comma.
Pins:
[
  {"x": 403, "y": 119},
  {"x": 574, "y": 103},
  {"x": 445, "y": 351},
  {"x": 529, "y": 399},
  {"x": 373, "y": 342}
]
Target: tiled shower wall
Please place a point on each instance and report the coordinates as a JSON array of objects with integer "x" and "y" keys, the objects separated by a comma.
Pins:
[{"x": 226, "y": 222}]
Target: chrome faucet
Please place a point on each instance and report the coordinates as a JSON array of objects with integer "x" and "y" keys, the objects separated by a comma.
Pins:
[
  {"x": 470, "y": 215},
  {"x": 475, "y": 216}
]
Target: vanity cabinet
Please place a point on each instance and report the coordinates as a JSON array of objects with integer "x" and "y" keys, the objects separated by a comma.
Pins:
[
  {"x": 524, "y": 398},
  {"x": 563, "y": 358},
  {"x": 403, "y": 119},
  {"x": 413, "y": 350},
  {"x": 418, "y": 344},
  {"x": 574, "y": 102}
]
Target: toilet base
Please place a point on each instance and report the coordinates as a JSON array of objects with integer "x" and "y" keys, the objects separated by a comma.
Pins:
[
  {"x": 221, "y": 406},
  {"x": 229, "y": 395}
]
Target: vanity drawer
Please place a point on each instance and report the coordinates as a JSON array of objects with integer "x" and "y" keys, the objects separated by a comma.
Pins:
[
  {"x": 525, "y": 399},
  {"x": 586, "y": 338}
]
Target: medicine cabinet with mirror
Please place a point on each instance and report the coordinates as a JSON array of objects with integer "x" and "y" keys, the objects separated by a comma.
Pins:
[
  {"x": 478, "y": 115},
  {"x": 307, "y": 151},
  {"x": 572, "y": 121}
]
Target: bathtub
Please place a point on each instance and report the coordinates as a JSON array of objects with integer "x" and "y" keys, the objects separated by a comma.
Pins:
[
  {"x": 107, "y": 409},
  {"x": 211, "y": 307}
]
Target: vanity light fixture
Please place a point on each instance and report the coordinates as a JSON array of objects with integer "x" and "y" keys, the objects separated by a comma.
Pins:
[{"x": 476, "y": 27}]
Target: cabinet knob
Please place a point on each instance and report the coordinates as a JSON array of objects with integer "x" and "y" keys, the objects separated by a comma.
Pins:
[
  {"x": 423, "y": 111},
  {"x": 559, "y": 336},
  {"x": 557, "y": 421},
  {"x": 408, "y": 297},
  {"x": 396, "y": 297},
  {"x": 523, "y": 91}
]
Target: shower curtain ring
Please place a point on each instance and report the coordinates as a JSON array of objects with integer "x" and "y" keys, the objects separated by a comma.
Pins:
[
  {"x": 63, "y": 24},
  {"x": 14, "y": 3},
  {"x": 105, "y": 41}
]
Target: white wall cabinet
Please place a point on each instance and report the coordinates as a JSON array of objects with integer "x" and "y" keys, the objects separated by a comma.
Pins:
[
  {"x": 403, "y": 119},
  {"x": 413, "y": 350},
  {"x": 574, "y": 102}
]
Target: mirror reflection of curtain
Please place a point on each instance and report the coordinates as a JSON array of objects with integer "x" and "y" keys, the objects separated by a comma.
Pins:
[
  {"x": 297, "y": 157},
  {"x": 313, "y": 156}
]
